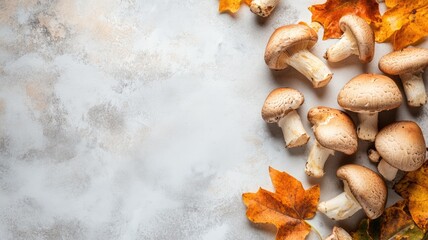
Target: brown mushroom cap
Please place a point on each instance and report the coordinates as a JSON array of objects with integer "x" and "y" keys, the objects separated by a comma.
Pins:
[
  {"x": 370, "y": 93},
  {"x": 334, "y": 129},
  {"x": 402, "y": 145},
  {"x": 280, "y": 102},
  {"x": 362, "y": 33},
  {"x": 283, "y": 39},
  {"x": 368, "y": 188},
  {"x": 408, "y": 60}
]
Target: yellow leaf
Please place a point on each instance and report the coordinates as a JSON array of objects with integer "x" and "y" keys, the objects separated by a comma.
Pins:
[
  {"x": 329, "y": 14},
  {"x": 414, "y": 187},
  {"x": 286, "y": 208},
  {"x": 404, "y": 23},
  {"x": 231, "y": 5}
]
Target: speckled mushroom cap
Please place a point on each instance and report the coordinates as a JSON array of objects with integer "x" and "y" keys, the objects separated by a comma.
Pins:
[
  {"x": 280, "y": 102},
  {"x": 368, "y": 188},
  {"x": 408, "y": 60},
  {"x": 402, "y": 145},
  {"x": 334, "y": 129},
  {"x": 283, "y": 39},
  {"x": 362, "y": 32},
  {"x": 370, "y": 93}
]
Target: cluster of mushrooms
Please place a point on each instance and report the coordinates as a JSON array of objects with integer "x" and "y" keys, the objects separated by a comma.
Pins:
[{"x": 398, "y": 146}]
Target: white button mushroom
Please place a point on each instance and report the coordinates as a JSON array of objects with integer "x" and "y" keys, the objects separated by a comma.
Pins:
[
  {"x": 280, "y": 107},
  {"x": 357, "y": 39},
  {"x": 401, "y": 146},
  {"x": 367, "y": 95},
  {"x": 263, "y": 8},
  {"x": 363, "y": 188},
  {"x": 339, "y": 234},
  {"x": 289, "y": 45},
  {"x": 409, "y": 64},
  {"x": 334, "y": 131}
]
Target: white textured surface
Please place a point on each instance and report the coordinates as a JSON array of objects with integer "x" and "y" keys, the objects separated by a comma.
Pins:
[{"x": 126, "y": 119}]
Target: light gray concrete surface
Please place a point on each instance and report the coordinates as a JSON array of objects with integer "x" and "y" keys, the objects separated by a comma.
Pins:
[{"x": 126, "y": 119}]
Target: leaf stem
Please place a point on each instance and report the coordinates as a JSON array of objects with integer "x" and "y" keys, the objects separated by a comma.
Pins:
[{"x": 315, "y": 230}]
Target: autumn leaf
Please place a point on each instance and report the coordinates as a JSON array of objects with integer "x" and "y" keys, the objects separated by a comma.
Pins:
[
  {"x": 395, "y": 223},
  {"x": 404, "y": 23},
  {"x": 231, "y": 5},
  {"x": 414, "y": 187},
  {"x": 286, "y": 208},
  {"x": 329, "y": 14}
]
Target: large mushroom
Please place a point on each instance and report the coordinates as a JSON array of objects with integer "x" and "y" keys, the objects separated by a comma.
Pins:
[
  {"x": 409, "y": 64},
  {"x": 367, "y": 95},
  {"x": 334, "y": 131},
  {"x": 263, "y": 8},
  {"x": 280, "y": 107},
  {"x": 357, "y": 39},
  {"x": 399, "y": 146},
  {"x": 339, "y": 234},
  {"x": 363, "y": 188},
  {"x": 289, "y": 45}
]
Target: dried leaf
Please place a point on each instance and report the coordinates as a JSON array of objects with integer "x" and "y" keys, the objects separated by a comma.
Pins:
[
  {"x": 395, "y": 223},
  {"x": 231, "y": 5},
  {"x": 414, "y": 187},
  {"x": 404, "y": 23},
  {"x": 286, "y": 208},
  {"x": 329, "y": 14}
]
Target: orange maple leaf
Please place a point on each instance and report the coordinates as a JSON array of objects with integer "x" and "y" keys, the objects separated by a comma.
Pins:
[
  {"x": 329, "y": 14},
  {"x": 404, "y": 23},
  {"x": 231, "y": 5},
  {"x": 414, "y": 187},
  {"x": 286, "y": 208}
]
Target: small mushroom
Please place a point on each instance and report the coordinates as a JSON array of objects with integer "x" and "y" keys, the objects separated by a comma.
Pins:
[
  {"x": 334, "y": 131},
  {"x": 363, "y": 188},
  {"x": 263, "y": 8},
  {"x": 357, "y": 39},
  {"x": 409, "y": 64},
  {"x": 289, "y": 45},
  {"x": 280, "y": 107},
  {"x": 339, "y": 234},
  {"x": 367, "y": 95},
  {"x": 401, "y": 146}
]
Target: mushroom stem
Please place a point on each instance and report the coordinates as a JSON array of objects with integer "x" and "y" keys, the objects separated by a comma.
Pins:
[
  {"x": 340, "y": 207},
  {"x": 316, "y": 160},
  {"x": 414, "y": 88},
  {"x": 386, "y": 170},
  {"x": 292, "y": 129},
  {"x": 367, "y": 129},
  {"x": 339, "y": 234},
  {"x": 345, "y": 47},
  {"x": 373, "y": 155},
  {"x": 310, "y": 66},
  {"x": 263, "y": 8}
]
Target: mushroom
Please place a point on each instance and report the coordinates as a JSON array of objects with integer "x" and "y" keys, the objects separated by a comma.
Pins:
[
  {"x": 339, "y": 234},
  {"x": 334, "y": 131},
  {"x": 400, "y": 146},
  {"x": 289, "y": 45},
  {"x": 367, "y": 95},
  {"x": 409, "y": 64},
  {"x": 363, "y": 188},
  {"x": 263, "y": 8},
  {"x": 357, "y": 39},
  {"x": 280, "y": 106}
]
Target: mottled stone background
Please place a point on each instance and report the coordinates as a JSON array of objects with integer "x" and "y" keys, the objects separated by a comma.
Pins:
[{"x": 127, "y": 119}]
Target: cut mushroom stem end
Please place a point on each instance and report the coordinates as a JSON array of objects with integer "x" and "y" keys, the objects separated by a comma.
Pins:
[
  {"x": 344, "y": 48},
  {"x": 292, "y": 129},
  {"x": 316, "y": 160},
  {"x": 263, "y": 8},
  {"x": 311, "y": 67},
  {"x": 386, "y": 170},
  {"x": 414, "y": 88},
  {"x": 340, "y": 207},
  {"x": 367, "y": 129}
]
